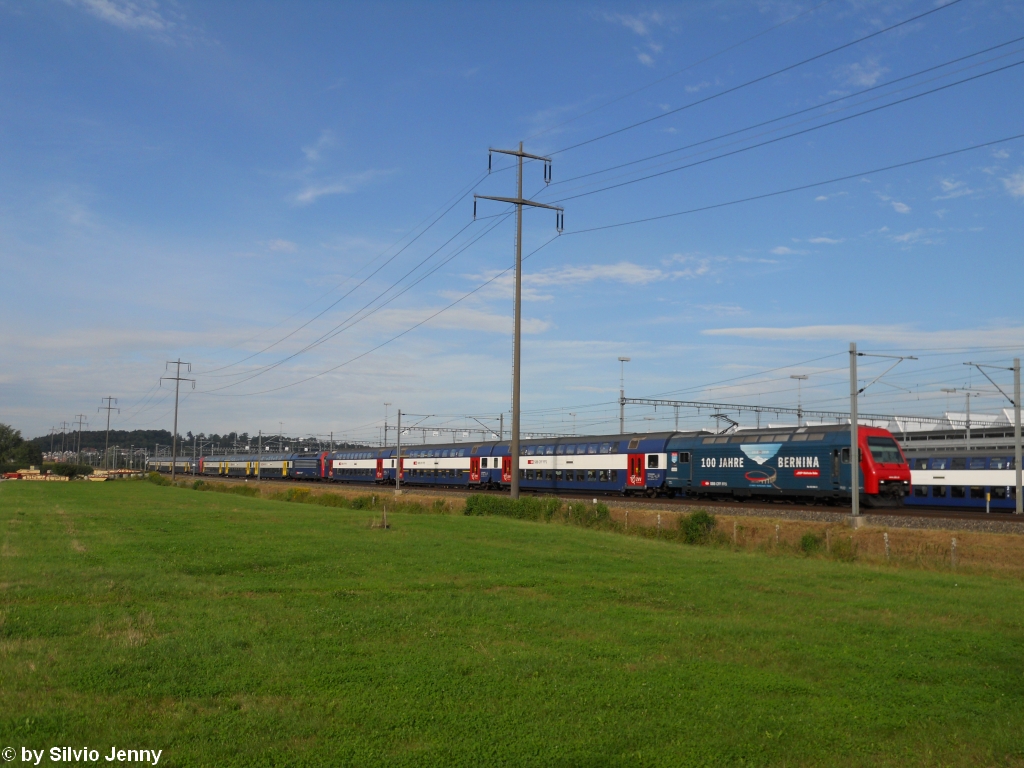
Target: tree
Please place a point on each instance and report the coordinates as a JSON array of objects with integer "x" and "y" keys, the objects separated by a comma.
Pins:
[{"x": 10, "y": 440}]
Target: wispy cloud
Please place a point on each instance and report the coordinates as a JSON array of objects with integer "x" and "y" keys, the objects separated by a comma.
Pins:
[
  {"x": 1015, "y": 183},
  {"x": 641, "y": 23},
  {"x": 282, "y": 246},
  {"x": 823, "y": 241},
  {"x": 143, "y": 16},
  {"x": 863, "y": 74},
  {"x": 903, "y": 335},
  {"x": 314, "y": 152},
  {"x": 951, "y": 189},
  {"x": 896, "y": 204},
  {"x": 344, "y": 186},
  {"x": 645, "y": 59},
  {"x": 783, "y": 250}
]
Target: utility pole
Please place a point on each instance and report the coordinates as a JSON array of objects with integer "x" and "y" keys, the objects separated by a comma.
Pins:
[
  {"x": 177, "y": 379},
  {"x": 108, "y": 408},
  {"x": 53, "y": 433},
  {"x": 622, "y": 394},
  {"x": 501, "y": 426},
  {"x": 800, "y": 377},
  {"x": 519, "y": 202},
  {"x": 259, "y": 450},
  {"x": 385, "y": 442},
  {"x": 63, "y": 438},
  {"x": 854, "y": 445},
  {"x": 398, "y": 454},
  {"x": 80, "y": 422}
]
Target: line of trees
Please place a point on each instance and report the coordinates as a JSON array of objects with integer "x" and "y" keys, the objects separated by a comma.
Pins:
[{"x": 15, "y": 451}]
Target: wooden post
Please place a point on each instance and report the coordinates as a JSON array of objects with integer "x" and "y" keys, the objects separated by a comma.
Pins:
[
  {"x": 627, "y": 518},
  {"x": 734, "y": 537},
  {"x": 885, "y": 536},
  {"x": 952, "y": 554},
  {"x": 776, "y": 534},
  {"x": 828, "y": 539}
]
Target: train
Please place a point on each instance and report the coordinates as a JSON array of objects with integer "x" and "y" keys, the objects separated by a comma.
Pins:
[{"x": 808, "y": 464}]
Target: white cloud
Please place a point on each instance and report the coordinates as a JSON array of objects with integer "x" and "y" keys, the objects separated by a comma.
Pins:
[
  {"x": 821, "y": 198},
  {"x": 782, "y": 250},
  {"x": 127, "y": 14},
  {"x": 900, "y": 207},
  {"x": 1000, "y": 154},
  {"x": 902, "y": 335},
  {"x": 640, "y": 24},
  {"x": 645, "y": 59},
  {"x": 951, "y": 189},
  {"x": 698, "y": 86},
  {"x": 823, "y": 241},
  {"x": 909, "y": 237},
  {"x": 315, "y": 150},
  {"x": 344, "y": 186},
  {"x": 1015, "y": 183},
  {"x": 862, "y": 74},
  {"x": 282, "y": 246}
]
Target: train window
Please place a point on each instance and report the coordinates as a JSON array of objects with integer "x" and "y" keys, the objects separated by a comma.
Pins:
[
  {"x": 940, "y": 463},
  {"x": 738, "y": 440},
  {"x": 938, "y": 491},
  {"x": 652, "y": 461},
  {"x": 634, "y": 444},
  {"x": 558, "y": 474},
  {"x": 592, "y": 448},
  {"x": 606, "y": 447},
  {"x": 846, "y": 456},
  {"x": 997, "y": 464},
  {"x": 920, "y": 463},
  {"x": 614, "y": 475},
  {"x": 602, "y": 475},
  {"x": 570, "y": 450},
  {"x": 920, "y": 491},
  {"x": 977, "y": 463},
  {"x": 821, "y": 436},
  {"x": 549, "y": 450},
  {"x": 796, "y": 438},
  {"x": 684, "y": 457},
  {"x": 957, "y": 492},
  {"x": 958, "y": 464},
  {"x": 884, "y": 450},
  {"x": 706, "y": 441},
  {"x": 579, "y": 476},
  {"x": 591, "y": 475},
  {"x": 999, "y": 492},
  {"x": 472, "y": 451},
  {"x": 977, "y": 492},
  {"x": 560, "y": 450},
  {"x": 529, "y": 474},
  {"x": 548, "y": 475},
  {"x": 778, "y": 439},
  {"x": 568, "y": 476},
  {"x": 483, "y": 463}
]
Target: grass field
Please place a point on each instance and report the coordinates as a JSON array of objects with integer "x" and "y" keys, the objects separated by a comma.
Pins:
[{"x": 234, "y": 631}]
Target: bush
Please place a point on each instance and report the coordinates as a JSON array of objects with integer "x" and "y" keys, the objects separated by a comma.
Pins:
[
  {"x": 588, "y": 515},
  {"x": 521, "y": 509},
  {"x": 696, "y": 528},
  {"x": 810, "y": 543},
  {"x": 68, "y": 470},
  {"x": 157, "y": 479}
]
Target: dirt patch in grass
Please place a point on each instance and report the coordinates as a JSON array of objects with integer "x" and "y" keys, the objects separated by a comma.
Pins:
[{"x": 130, "y": 631}]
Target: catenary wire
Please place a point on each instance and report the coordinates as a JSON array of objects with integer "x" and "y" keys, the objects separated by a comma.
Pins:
[{"x": 759, "y": 79}]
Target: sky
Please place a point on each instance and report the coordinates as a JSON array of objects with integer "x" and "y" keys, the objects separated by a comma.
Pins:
[{"x": 281, "y": 194}]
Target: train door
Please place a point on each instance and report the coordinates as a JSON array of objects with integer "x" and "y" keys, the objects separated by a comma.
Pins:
[
  {"x": 506, "y": 469},
  {"x": 835, "y": 468},
  {"x": 636, "y": 474},
  {"x": 380, "y": 469},
  {"x": 401, "y": 469},
  {"x": 685, "y": 467},
  {"x": 474, "y": 469}
]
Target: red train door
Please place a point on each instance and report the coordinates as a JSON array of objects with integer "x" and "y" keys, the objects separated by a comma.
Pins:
[
  {"x": 380, "y": 469},
  {"x": 636, "y": 474},
  {"x": 323, "y": 463},
  {"x": 474, "y": 469},
  {"x": 506, "y": 469},
  {"x": 401, "y": 468}
]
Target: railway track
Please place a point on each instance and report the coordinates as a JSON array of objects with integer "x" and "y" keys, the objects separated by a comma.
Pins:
[{"x": 723, "y": 507}]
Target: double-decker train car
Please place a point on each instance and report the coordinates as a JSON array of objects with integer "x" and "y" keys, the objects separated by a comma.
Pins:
[
  {"x": 803, "y": 463},
  {"x": 979, "y": 480}
]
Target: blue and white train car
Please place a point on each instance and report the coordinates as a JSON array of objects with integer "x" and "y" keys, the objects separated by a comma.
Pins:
[{"x": 962, "y": 480}]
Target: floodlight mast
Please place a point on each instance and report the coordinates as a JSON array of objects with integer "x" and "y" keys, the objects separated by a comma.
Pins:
[
  {"x": 519, "y": 202},
  {"x": 1015, "y": 402}
]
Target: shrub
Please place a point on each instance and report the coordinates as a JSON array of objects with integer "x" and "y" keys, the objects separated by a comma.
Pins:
[
  {"x": 522, "y": 509},
  {"x": 697, "y": 527},
  {"x": 157, "y": 479},
  {"x": 588, "y": 515},
  {"x": 843, "y": 548},
  {"x": 68, "y": 470},
  {"x": 810, "y": 543}
]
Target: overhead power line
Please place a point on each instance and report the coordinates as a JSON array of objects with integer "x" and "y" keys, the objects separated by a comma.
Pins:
[
  {"x": 801, "y": 132},
  {"x": 759, "y": 79},
  {"x": 688, "y": 67},
  {"x": 813, "y": 108},
  {"x": 799, "y": 188}
]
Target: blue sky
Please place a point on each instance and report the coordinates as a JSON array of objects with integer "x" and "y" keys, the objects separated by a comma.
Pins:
[{"x": 203, "y": 179}]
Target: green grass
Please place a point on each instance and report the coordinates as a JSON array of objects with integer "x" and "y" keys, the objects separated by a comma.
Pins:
[{"x": 228, "y": 630}]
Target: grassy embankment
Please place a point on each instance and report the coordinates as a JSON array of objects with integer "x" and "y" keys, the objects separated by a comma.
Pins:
[{"x": 233, "y": 630}]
